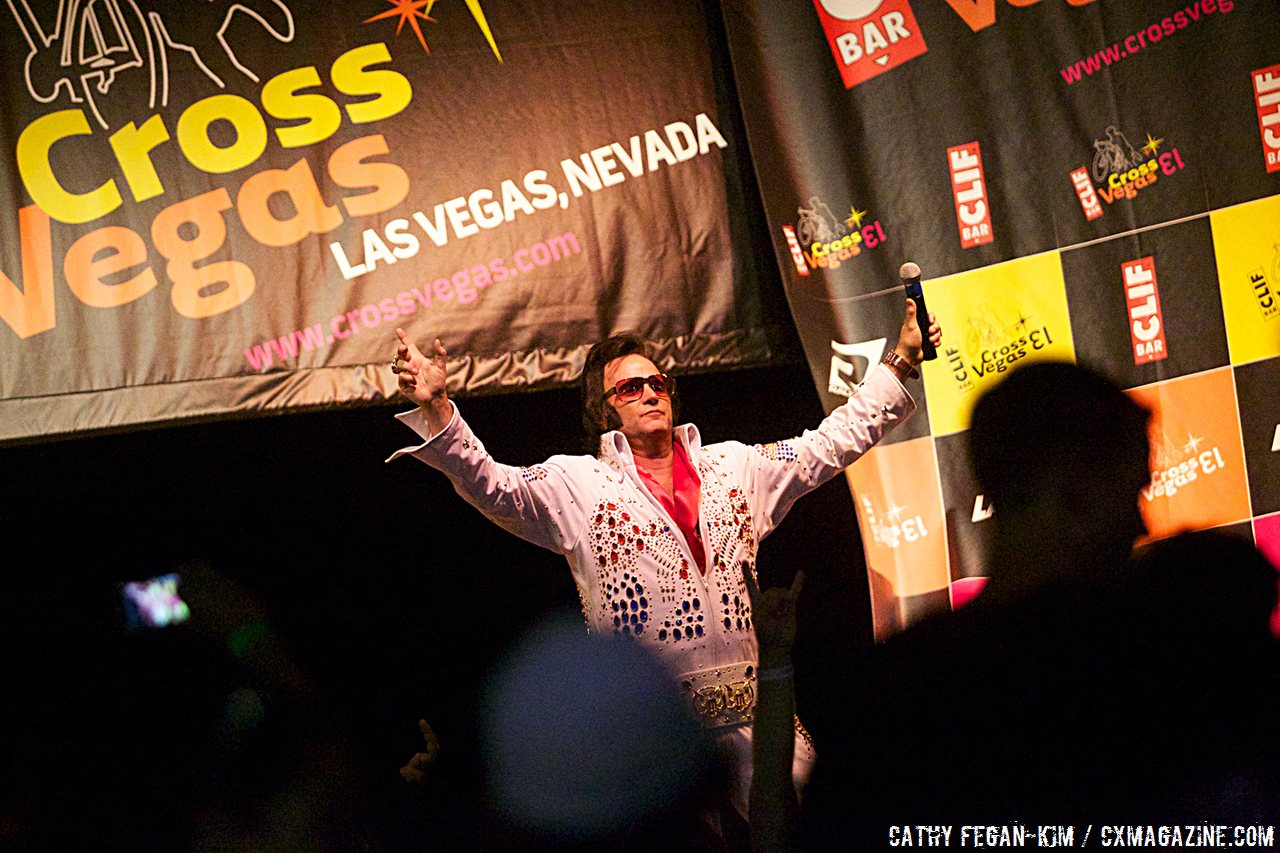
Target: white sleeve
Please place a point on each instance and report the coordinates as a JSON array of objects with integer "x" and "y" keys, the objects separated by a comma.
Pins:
[
  {"x": 782, "y": 471},
  {"x": 543, "y": 504}
]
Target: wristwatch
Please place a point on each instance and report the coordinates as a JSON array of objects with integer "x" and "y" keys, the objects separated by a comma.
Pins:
[{"x": 892, "y": 359}]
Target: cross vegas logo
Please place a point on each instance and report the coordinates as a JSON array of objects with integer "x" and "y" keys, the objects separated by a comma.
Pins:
[
  {"x": 1176, "y": 470},
  {"x": 1121, "y": 171},
  {"x": 992, "y": 344},
  {"x": 889, "y": 528},
  {"x": 823, "y": 240}
]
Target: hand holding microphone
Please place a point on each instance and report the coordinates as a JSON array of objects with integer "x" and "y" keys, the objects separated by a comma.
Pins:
[
  {"x": 931, "y": 333},
  {"x": 921, "y": 335}
]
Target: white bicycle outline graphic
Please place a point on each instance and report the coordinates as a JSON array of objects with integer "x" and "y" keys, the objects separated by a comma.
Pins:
[{"x": 93, "y": 41}]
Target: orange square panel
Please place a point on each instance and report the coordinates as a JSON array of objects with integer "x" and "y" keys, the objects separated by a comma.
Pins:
[
  {"x": 895, "y": 488},
  {"x": 1198, "y": 475}
]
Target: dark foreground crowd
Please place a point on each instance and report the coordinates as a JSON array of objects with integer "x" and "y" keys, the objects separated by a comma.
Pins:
[{"x": 1089, "y": 682}]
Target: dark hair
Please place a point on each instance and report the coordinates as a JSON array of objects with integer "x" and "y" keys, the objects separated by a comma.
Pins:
[
  {"x": 1051, "y": 423},
  {"x": 598, "y": 417}
]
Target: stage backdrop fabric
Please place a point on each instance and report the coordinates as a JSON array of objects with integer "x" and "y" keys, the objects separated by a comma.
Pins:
[
  {"x": 1079, "y": 180},
  {"x": 227, "y": 208}
]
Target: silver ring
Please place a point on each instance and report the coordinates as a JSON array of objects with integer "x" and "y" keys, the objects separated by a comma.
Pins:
[{"x": 395, "y": 364}]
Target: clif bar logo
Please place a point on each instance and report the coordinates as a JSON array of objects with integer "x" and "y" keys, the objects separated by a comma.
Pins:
[
  {"x": 1266, "y": 91},
  {"x": 868, "y": 37},
  {"x": 1142, "y": 296},
  {"x": 797, "y": 254},
  {"x": 1262, "y": 291},
  {"x": 1088, "y": 197},
  {"x": 969, "y": 187}
]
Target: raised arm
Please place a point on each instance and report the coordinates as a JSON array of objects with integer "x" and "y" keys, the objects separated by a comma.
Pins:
[
  {"x": 422, "y": 380},
  {"x": 543, "y": 504},
  {"x": 785, "y": 470}
]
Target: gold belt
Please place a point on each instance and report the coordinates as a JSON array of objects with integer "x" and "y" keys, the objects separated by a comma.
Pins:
[{"x": 722, "y": 695}]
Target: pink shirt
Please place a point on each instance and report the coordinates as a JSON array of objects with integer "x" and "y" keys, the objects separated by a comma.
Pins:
[{"x": 684, "y": 508}]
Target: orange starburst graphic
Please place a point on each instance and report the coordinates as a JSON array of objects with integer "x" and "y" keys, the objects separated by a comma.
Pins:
[
  {"x": 410, "y": 11},
  {"x": 413, "y": 11}
]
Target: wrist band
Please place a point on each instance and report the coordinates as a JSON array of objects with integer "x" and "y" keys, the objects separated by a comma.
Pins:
[
  {"x": 777, "y": 673},
  {"x": 892, "y": 359}
]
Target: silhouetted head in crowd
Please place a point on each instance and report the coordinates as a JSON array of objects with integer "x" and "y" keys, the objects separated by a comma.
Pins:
[
  {"x": 1061, "y": 453},
  {"x": 587, "y": 744},
  {"x": 1214, "y": 585}
]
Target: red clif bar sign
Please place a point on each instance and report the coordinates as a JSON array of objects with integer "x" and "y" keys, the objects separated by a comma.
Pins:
[
  {"x": 1088, "y": 196},
  {"x": 969, "y": 186},
  {"x": 1266, "y": 93},
  {"x": 797, "y": 254},
  {"x": 868, "y": 37},
  {"x": 1146, "y": 325}
]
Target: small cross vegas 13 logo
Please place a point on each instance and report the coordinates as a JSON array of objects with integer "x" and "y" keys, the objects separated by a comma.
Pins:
[{"x": 1120, "y": 171}]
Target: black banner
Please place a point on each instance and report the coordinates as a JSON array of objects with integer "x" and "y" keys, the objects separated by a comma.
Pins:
[{"x": 221, "y": 208}]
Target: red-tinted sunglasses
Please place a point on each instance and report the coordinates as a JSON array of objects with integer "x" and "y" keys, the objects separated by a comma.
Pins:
[{"x": 633, "y": 388}]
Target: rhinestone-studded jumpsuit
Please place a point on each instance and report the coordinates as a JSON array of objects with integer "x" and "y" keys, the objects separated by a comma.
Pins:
[{"x": 633, "y": 569}]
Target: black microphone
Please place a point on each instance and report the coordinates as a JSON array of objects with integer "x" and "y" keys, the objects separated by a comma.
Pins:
[{"x": 910, "y": 275}]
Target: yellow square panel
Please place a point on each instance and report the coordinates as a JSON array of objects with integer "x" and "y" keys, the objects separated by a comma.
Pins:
[
  {"x": 993, "y": 319},
  {"x": 1246, "y": 244}
]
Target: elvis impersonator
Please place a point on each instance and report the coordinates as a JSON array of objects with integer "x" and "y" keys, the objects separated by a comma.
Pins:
[{"x": 656, "y": 527}]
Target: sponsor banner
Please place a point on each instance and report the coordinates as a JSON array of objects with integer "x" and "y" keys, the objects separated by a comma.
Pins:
[
  {"x": 219, "y": 208},
  {"x": 1197, "y": 473},
  {"x": 1089, "y": 153}
]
